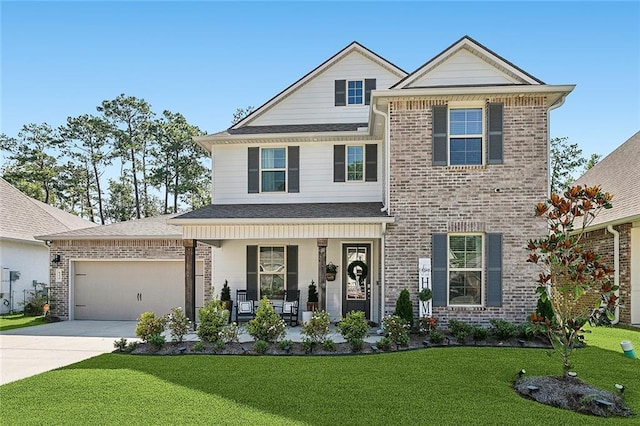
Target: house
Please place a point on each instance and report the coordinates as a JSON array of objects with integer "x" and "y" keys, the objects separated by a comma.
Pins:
[
  {"x": 615, "y": 233},
  {"x": 24, "y": 259},
  {"x": 118, "y": 271},
  {"x": 376, "y": 170}
]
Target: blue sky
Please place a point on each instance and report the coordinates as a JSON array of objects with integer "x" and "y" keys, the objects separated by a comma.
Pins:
[{"x": 205, "y": 59}]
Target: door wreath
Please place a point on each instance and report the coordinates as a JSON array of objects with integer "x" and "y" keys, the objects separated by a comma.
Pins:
[{"x": 363, "y": 268}]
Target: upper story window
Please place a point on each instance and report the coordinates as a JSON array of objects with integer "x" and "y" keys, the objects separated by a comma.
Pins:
[
  {"x": 465, "y": 140},
  {"x": 273, "y": 169},
  {"x": 467, "y": 136},
  {"x": 355, "y": 92},
  {"x": 355, "y": 163},
  {"x": 465, "y": 269}
]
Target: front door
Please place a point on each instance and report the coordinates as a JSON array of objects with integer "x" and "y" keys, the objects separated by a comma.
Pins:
[{"x": 356, "y": 279}]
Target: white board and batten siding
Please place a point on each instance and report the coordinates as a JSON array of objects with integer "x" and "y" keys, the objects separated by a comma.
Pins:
[
  {"x": 230, "y": 178},
  {"x": 314, "y": 102},
  {"x": 464, "y": 68}
]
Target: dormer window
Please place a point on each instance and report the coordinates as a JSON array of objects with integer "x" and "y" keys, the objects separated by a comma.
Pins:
[{"x": 355, "y": 92}]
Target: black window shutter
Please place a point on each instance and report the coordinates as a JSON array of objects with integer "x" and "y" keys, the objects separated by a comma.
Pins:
[
  {"x": 371, "y": 162},
  {"x": 340, "y": 92},
  {"x": 494, "y": 269},
  {"x": 439, "y": 269},
  {"x": 292, "y": 270},
  {"x": 293, "y": 171},
  {"x": 494, "y": 144},
  {"x": 252, "y": 272},
  {"x": 369, "y": 85},
  {"x": 439, "y": 114},
  {"x": 254, "y": 170},
  {"x": 338, "y": 163}
]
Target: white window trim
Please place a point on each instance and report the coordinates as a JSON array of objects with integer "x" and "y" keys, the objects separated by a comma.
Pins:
[
  {"x": 346, "y": 163},
  {"x": 260, "y": 273},
  {"x": 468, "y": 105},
  {"x": 285, "y": 169},
  {"x": 481, "y": 269},
  {"x": 347, "y": 92}
]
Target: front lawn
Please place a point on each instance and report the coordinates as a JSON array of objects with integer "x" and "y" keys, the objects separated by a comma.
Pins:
[
  {"x": 11, "y": 321},
  {"x": 461, "y": 385}
]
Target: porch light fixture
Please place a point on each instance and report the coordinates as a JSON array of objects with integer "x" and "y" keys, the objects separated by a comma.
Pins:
[{"x": 56, "y": 260}]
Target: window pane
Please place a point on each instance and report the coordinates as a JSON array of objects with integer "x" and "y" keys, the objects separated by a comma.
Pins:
[
  {"x": 355, "y": 163},
  {"x": 272, "y": 272},
  {"x": 465, "y": 288},
  {"x": 274, "y": 158},
  {"x": 354, "y": 92},
  {"x": 466, "y": 121},
  {"x": 272, "y": 286},
  {"x": 273, "y": 181},
  {"x": 465, "y": 151},
  {"x": 465, "y": 251}
]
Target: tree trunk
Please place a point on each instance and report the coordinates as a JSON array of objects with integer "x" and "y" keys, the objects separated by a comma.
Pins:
[
  {"x": 99, "y": 190},
  {"x": 135, "y": 182}
]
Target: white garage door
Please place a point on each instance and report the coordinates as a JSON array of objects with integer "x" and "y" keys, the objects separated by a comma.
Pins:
[{"x": 122, "y": 290}]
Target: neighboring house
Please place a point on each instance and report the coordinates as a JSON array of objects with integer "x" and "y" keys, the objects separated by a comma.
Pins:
[
  {"x": 118, "y": 271},
  {"x": 25, "y": 260},
  {"x": 362, "y": 161},
  {"x": 615, "y": 233}
]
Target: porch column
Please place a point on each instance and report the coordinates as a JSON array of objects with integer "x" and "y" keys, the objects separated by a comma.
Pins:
[
  {"x": 190, "y": 279},
  {"x": 322, "y": 274}
]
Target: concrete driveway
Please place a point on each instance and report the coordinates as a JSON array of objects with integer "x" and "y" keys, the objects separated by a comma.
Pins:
[{"x": 34, "y": 350}]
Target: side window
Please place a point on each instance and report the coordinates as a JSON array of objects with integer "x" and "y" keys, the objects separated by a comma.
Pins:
[
  {"x": 273, "y": 169},
  {"x": 355, "y": 163},
  {"x": 355, "y": 92}
]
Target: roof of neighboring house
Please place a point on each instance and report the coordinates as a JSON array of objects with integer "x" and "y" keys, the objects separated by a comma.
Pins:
[
  {"x": 23, "y": 218},
  {"x": 148, "y": 228},
  {"x": 618, "y": 174},
  {"x": 286, "y": 211}
]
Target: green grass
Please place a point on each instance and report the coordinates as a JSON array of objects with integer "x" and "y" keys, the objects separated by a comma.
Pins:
[
  {"x": 463, "y": 385},
  {"x": 11, "y": 321}
]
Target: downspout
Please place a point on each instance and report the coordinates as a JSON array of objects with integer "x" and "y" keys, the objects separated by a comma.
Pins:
[
  {"x": 387, "y": 155},
  {"x": 616, "y": 274},
  {"x": 382, "y": 264},
  {"x": 551, "y": 108}
]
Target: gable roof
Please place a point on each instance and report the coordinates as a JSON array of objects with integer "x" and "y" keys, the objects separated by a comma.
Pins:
[
  {"x": 618, "y": 174},
  {"x": 149, "y": 228},
  {"x": 352, "y": 47},
  {"x": 22, "y": 217},
  {"x": 469, "y": 44}
]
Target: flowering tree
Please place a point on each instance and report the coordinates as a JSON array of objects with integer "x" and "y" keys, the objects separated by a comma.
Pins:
[{"x": 571, "y": 274}]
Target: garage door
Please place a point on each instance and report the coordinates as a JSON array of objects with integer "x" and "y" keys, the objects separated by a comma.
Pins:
[{"x": 122, "y": 290}]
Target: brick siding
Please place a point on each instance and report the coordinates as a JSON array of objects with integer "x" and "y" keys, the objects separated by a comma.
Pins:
[
  {"x": 426, "y": 199},
  {"x": 116, "y": 250}
]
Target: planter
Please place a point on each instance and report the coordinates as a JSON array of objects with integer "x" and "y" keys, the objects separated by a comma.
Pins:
[
  {"x": 306, "y": 316},
  {"x": 331, "y": 276}
]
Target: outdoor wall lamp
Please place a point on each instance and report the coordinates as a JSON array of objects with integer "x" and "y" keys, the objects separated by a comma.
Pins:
[{"x": 56, "y": 260}]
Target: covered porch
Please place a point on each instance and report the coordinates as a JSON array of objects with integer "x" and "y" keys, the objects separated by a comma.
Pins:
[{"x": 269, "y": 248}]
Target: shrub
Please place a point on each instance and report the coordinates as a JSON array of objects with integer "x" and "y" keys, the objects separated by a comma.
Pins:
[
  {"x": 503, "y": 330},
  {"x": 479, "y": 333},
  {"x": 213, "y": 319},
  {"x": 307, "y": 345},
  {"x": 462, "y": 335},
  {"x": 148, "y": 325},
  {"x": 225, "y": 293},
  {"x": 260, "y": 346},
  {"x": 317, "y": 328},
  {"x": 178, "y": 324},
  {"x": 329, "y": 345},
  {"x": 120, "y": 345},
  {"x": 131, "y": 346},
  {"x": 312, "y": 296},
  {"x": 267, "y": 324},
  {"x": 396, "y": 329},
  {"x": 455, "y": 326},
  {"x": 354, "y": 328},
  {"x": 198, "y": 346},
  {"x": 404, "y": 307},
  {"x": 427, "y": 324},
  {"x": 282, "y": 344},
  {"x": 157, "y": 340},
  {"x": 385, "y": 344},
  {"x": 436, "y": 337},
  {"x": 229, "y": 333}
]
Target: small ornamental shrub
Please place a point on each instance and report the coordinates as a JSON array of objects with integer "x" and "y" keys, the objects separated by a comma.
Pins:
[
  {"x": 503, "y": 330},
  {"x": 120, "y": 345},
  {"x": 307, "y": 345},
  {"x": 218, "y": 345},
  {"x": 317, "y": 329},
  {"x": 404, "y": 307},
  {"x": 283, "y": 344},
  {"x": 427, "y": 324},
  {"x": 396, "y": 329},
  {"x": 131, "y": 346},
  {"x": 198, "y": 346},
  {"x": 462, "y": 335},
  {"x": 229, "y": 333},
  {"x": 148, "y": 325},
  {"x": 329, "y": 345},
  {"x": 157, "y": 340},
  {"x": 455, "y": 326},
  {"x": 312, "y": 296},
  {"x": 354, "y": 329},
  {"x": 385, "y": 344},
  {"x": 436, "y": 337},
  {"x": 225, "y": 293},
  {"x": 178, "y": 324},
  {"x": 213, "y": 319},
  {"x": 260, "y": 346},
  {"x": 479, "y": 333},
  {"x": 267, "y": 324}
]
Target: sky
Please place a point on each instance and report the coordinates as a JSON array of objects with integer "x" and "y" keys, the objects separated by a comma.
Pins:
[{"x": 205, "y": 59}]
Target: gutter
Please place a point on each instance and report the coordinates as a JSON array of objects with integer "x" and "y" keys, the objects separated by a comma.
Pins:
[{"x": 616, "y": 276}]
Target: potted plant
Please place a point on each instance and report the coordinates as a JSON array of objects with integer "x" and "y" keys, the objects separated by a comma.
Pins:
[
  {"x": 312, "y": 298},
  {"x": 331, "y": 271},
  {"x": 225, "y": 298}
]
